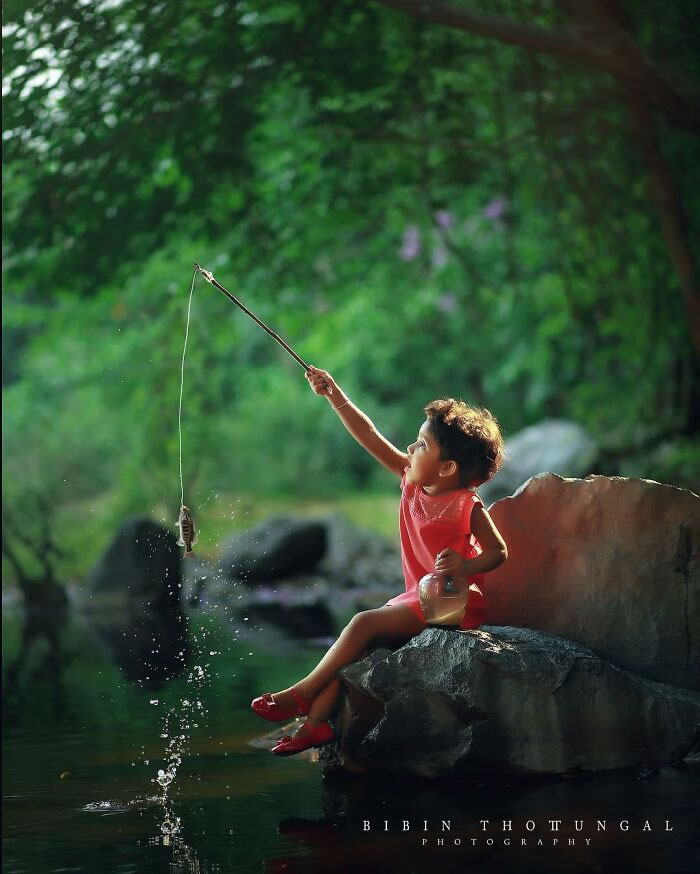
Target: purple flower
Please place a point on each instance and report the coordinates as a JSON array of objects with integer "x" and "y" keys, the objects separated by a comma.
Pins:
[
  {"x": 447, "y": 302},
  {"x": 444, "y": 218},
  {"x": 494, "y": 208},
  {"x": 410, "y": 244}
]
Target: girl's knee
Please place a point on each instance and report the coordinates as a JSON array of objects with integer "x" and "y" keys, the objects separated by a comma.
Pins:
[
  {"x": 369, "y": 626},
  {"x": 364, "y": 628},
  {"x": 361, "y": 623}
]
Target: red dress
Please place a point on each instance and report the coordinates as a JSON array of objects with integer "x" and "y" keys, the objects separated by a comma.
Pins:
[{"x": 428, "y": 524}]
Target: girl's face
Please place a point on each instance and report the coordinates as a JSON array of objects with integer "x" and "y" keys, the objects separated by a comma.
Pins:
[{"x": 424, "y": 459}]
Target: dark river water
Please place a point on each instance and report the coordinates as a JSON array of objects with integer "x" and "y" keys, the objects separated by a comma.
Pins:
[{"x": 93, "y": 710}]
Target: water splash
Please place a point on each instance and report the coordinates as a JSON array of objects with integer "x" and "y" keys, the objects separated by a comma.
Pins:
[
  {"x": 107, "y": 808},
  {"x": 177, "y": 724}
]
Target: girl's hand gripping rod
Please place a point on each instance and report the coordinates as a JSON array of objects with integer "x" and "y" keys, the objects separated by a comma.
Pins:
[{"x": 210, "y": 278}]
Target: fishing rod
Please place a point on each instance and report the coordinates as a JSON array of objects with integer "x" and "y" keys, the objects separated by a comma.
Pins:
[
  {"x": 188, "y": 534},
  {"x": 210, "y": 278}
]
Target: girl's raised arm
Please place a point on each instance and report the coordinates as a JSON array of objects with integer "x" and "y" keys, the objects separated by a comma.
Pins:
[{"x": 358, "y": 424}]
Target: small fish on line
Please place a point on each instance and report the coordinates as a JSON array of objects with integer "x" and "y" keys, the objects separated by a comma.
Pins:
[{"x": 188, "y": 534}]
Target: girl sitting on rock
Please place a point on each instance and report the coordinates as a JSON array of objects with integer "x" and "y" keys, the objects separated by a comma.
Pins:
[{"x": 444, "y": 527}]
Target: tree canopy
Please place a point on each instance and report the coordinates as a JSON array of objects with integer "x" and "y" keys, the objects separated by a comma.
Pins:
[{"x": 494, "y": 201}]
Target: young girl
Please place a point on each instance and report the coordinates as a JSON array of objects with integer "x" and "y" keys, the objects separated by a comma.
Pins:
[{"x": 444, "y": 527}]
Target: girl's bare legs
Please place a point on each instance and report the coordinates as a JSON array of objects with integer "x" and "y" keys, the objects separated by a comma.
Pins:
[
  {"x": 324, "y": 702},
  {"x": 396, "y": 621},
  {"x": 322, "y": 707}
]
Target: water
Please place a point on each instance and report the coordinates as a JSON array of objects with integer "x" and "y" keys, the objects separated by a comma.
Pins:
[{"x": 83, "y": 748}]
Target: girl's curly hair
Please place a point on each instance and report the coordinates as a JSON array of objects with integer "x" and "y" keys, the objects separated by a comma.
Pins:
[{"x": 469, "y": 435}]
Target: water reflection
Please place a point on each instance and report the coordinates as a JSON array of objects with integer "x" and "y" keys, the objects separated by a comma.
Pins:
[
  {"x": 37, "y": 666},
  {"x": 150, "y": 648},
  {"x": 585, "y": 824}
]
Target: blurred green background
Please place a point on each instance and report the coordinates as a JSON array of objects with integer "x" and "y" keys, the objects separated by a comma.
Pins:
[{"x": 422, "y": 208}]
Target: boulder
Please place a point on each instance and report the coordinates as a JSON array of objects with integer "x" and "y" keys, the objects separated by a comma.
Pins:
[
  {"x": 279, "y": 547},
  {"x": 198, "y": 576},
  {"x": 609, "y": 562},
  {"x": 504, "y": 700},
  {"x": 357, "y": 570},
  {"x": 127, "y": 640},
  {"x": 359, "y": 558},
  {"x": 554, "y": 445},
  {"x": 301, "y": 609},
  {"x": 298, "y": 620},
  {"x": 140, "y": 571}
]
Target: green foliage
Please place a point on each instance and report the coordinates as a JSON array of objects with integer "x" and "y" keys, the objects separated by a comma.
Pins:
[{"x": 420, "y": 211}]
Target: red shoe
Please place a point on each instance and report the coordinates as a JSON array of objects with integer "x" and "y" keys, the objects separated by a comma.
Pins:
[
  {"x": 320, "y": 734},
  {"x": 265, "y": 707}
]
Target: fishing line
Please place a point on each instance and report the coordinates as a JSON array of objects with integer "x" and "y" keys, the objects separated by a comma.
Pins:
[
  {"x": 182, "y": 382},
  {"x": 188, "y": 534}
]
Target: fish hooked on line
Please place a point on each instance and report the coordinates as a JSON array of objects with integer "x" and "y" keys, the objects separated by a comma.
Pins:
[{"x": 188, "y": 533}]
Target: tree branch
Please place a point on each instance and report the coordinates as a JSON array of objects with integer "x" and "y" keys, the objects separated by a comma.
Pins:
[
  {"x": 610, "y": 23},
  {"x": 620, "y": 57}
]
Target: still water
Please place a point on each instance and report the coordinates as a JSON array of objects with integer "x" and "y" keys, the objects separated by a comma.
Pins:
[{"x": 115, "y": 762}]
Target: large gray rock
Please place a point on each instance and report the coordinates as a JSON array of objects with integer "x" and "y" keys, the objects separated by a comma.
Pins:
[
  {"x": 554, "y": 445},
  {"x": 139, "y": 571},
  {"x": 279, "y": 547},
  {"x": 307, "y": 619},
  {"x": 609, "y": 562},
  {"x": 198, "y": 576},
  {"x": 359, "y": 558},
  {"x": 504, "y": 700}
]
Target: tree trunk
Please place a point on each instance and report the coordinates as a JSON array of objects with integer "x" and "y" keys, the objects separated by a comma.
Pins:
[{"x": 674, "y": 224}]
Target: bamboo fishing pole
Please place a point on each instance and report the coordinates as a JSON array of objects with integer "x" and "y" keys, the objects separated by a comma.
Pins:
[{"x": 210, "y": 278}]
